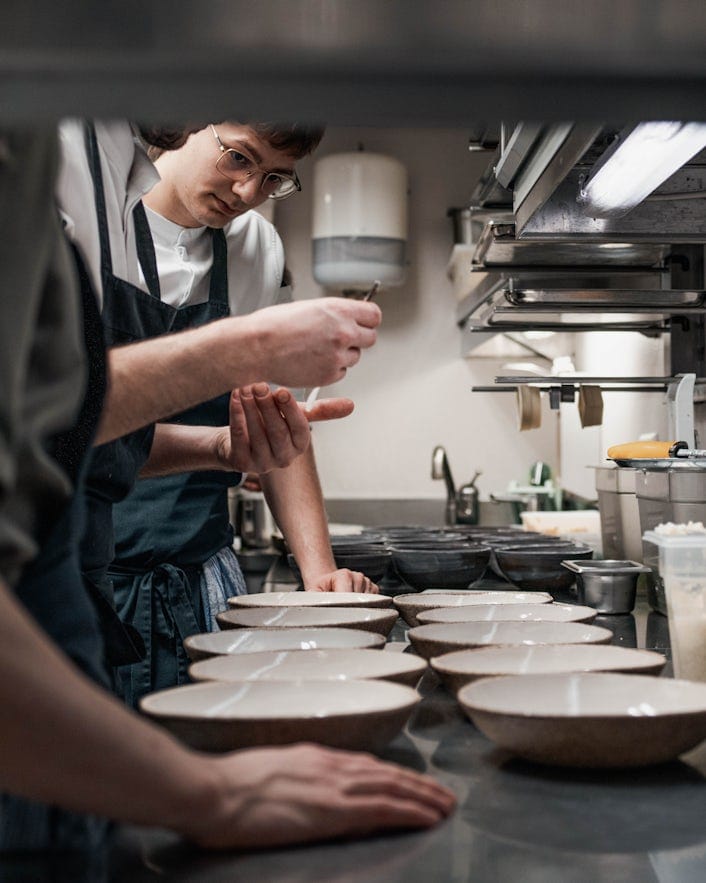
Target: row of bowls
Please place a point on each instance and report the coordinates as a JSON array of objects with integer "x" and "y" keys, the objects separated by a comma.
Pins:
[
  {"x": 538, "y": 686},
  {"x": 455, "y": 558}
]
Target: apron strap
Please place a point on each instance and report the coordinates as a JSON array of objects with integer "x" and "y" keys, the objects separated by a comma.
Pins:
[
  {"x": 218, "y": 287},
  {"x": 145, "y": 250}
]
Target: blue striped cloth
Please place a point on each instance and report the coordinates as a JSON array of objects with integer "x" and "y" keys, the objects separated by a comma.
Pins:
[{"x": 221, "y": 578}]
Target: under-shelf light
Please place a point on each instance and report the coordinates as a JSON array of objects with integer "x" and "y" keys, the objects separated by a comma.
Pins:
[{"x": 641, "y": 159}]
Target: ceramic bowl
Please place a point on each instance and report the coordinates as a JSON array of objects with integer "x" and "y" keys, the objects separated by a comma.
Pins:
[
  {"x": 463, "y": 667},
  {"x": 437, "y": 638},
  {"x": 355, "y": 715},
  {"x": 307, "y": 665},
  {"x": 257, "y": 640},
  {"x": 410, "y": 606},
  {"x": 539, "y": 567},
  {"x": 310, "y": 599},
  {"x": 508, "y": 613},
  {"x": 451, "y": 568},
  {"x": 376, "y": 620},
  {"x": 364, "y": 538},
  {"x": 589, "y": 720}
]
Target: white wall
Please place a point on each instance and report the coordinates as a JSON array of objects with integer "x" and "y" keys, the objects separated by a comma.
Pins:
[{"x": 413, "y": 390}]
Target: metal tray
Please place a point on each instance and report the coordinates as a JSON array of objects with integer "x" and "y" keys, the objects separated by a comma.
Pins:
[
  {"x": 664, "y": 464},
  {"x": 624, "y": 300},
  {"x": 497, "y": 246}
]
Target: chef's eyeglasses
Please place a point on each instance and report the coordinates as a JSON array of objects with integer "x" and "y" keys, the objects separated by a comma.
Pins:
[{"x": 237, "y": 166}]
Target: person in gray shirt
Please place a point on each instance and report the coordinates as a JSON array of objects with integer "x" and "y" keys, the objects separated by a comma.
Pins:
[{"x": 72, "y": 754}]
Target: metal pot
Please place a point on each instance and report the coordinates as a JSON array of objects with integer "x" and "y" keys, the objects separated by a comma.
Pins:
[{"x": 251, "y": 518}]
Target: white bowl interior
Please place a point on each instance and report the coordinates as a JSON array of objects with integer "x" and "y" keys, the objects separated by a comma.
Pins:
[
  {"x": 482, "y": 633},
  {"x": 545, "y": 659},
  {"x": 585, "y": 695},
  {"x": 263, "y": 700},
  {"x": 453, "y": 599},
  {"x": 452, "y": 592},
  {"x": 295, "y": 665},
  {"x": 310, "y": 599},
  {"x": 256, "y": 640},
  {"x": 509, "y": 613},
  {"x": 288, "y": 617}
]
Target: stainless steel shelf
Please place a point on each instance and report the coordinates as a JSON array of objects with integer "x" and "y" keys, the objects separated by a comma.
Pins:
[{"x": 498, "y": 247}]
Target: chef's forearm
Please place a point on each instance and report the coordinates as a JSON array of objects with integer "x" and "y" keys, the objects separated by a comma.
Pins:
[
  {"x": 154, "y": 379},
  {"x": 67, "y": 742},
  {"x": 179, "y": 448},
  {"x": 295, "y": 498}
]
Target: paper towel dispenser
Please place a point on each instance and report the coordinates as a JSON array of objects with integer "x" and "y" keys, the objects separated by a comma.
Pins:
[{"x": 360, "y": 220}]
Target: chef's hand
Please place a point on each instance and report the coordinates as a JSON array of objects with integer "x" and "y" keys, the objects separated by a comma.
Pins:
[
  {"x": 269, "y": 429},
  {"x": 311, "y": 342},
  {"x": 267, "y": 797},
  {"x": 342, "y": 580}
]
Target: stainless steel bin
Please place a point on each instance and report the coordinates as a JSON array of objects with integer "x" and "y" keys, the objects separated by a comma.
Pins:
[{"x": 620, "y": 518}]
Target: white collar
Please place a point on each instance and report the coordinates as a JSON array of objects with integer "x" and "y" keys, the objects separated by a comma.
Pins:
[{"x": 171, "y": 233}]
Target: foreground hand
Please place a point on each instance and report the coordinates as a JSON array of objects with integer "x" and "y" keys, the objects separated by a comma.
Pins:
[
  {"x": 269, "y": 797},
  {"x": 342, "y": 580}
]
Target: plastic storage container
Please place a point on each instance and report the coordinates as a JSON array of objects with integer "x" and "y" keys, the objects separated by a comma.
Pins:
[
  {"x": 682, "y": 568},
  {"x": 579, "y": 526}
]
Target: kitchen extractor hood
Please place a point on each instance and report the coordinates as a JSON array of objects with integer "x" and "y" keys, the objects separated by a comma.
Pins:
[
  {"x": 539, "y": 260},
  {"x": 547, "y": 175}
]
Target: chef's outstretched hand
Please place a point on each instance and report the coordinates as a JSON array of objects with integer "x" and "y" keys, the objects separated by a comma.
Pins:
[
  {"x": 343, "y": 580},
  {"x": 268, "y": 797},
  {"x": 270, "y": 429}
]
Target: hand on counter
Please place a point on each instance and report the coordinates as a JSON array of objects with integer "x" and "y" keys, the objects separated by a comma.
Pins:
[
  {"x": 343, "y": 580},
  {"x": 269, "y": 797}
]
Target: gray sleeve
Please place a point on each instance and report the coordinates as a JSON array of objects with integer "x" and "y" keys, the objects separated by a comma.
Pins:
[{"x": 42, "y": 362}]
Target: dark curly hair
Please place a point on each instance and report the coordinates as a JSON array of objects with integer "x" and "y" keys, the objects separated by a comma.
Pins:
[{"x": 296, "y": 139}]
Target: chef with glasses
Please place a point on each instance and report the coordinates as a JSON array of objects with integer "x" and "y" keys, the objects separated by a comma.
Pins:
[{"x": 174, "y": 563}]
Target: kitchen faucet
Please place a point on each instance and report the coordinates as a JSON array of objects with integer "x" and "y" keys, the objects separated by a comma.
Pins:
[
  {"x": 461, "y": 504},
  {"x": 440, "y": 469}
]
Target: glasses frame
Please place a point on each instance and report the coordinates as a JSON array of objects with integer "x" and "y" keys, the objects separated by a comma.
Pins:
[{"x": 265, "y": 173}]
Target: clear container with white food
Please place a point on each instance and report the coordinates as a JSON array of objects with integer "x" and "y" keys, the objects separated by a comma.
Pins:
[{"x": 682, "y": 567}]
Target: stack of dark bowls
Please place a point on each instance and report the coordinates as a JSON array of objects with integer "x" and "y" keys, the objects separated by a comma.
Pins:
[
  {"x": 434, "y": 558},
  {"x": 531, "y": 561},
  {"x": 537, "y": 566},
  {"x": 404, "y": 558}
]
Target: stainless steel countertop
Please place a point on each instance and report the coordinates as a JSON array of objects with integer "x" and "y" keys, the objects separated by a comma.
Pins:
[{"x": 515, "y": 821}]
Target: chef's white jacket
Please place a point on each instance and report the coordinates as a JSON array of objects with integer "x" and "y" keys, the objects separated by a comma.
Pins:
[
  {"x": 255, "y": 262},
  {"x": 128, "y": 173}
]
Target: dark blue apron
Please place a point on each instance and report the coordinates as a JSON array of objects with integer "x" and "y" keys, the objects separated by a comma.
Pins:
[
  {"x": 168, "y": 526},
  {"x": 52, "y": 590}
]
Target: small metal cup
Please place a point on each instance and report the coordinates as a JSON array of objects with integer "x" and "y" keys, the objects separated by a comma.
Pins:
[{"x": 607, "y": 586}]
